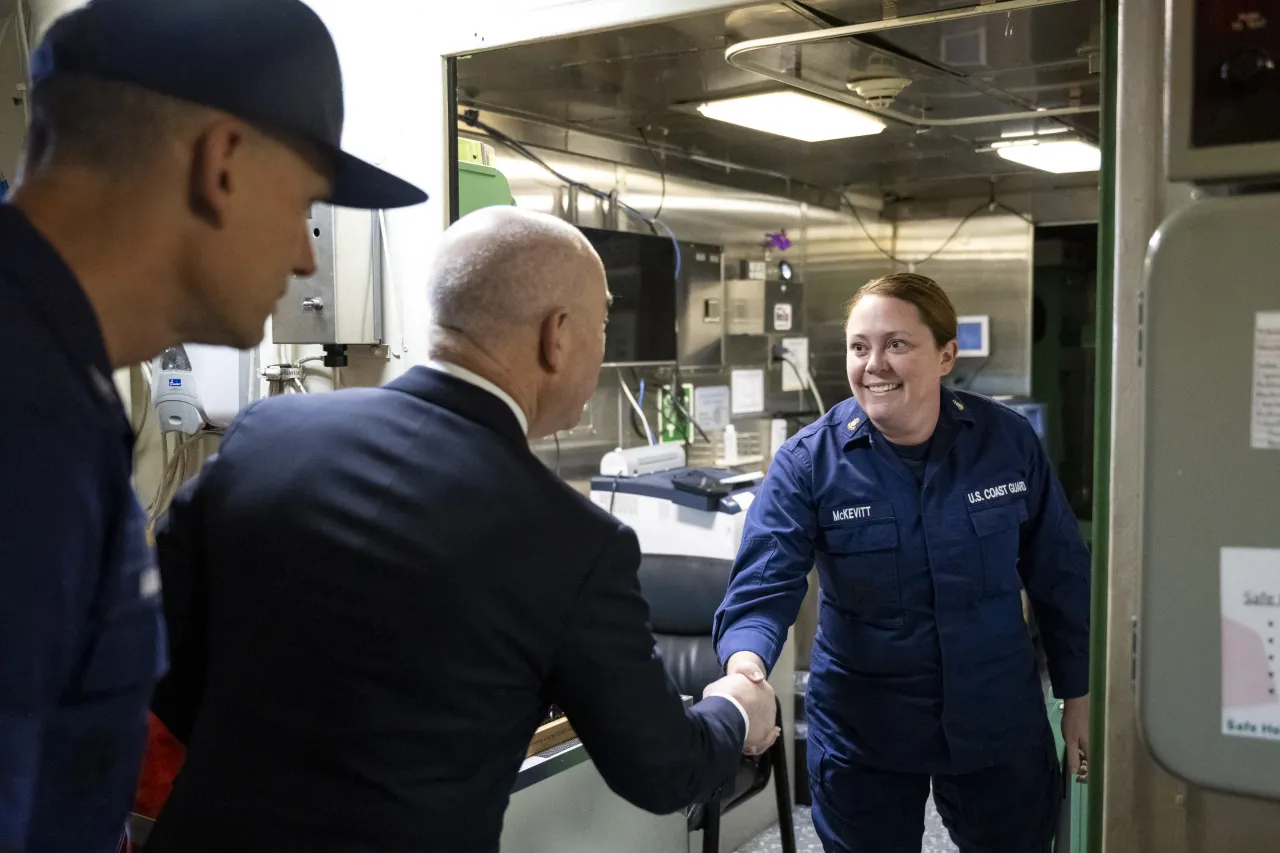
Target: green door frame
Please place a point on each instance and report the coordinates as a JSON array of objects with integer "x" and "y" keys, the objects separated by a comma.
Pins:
[{"x": 1102, "y": 428}]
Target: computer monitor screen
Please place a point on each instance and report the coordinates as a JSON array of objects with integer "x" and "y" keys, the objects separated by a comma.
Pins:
[
  {"x": 640, "y": 269},
  {"x": 973, "y": 334}
]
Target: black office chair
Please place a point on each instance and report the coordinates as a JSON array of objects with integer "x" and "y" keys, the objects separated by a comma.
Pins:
[{"x": 683, "y": 594}]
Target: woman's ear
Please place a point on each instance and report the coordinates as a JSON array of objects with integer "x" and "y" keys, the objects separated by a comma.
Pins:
[{"x": 948, "y": 356}]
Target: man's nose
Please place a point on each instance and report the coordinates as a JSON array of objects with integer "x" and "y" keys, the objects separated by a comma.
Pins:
[{"x": 304, "y": 266}]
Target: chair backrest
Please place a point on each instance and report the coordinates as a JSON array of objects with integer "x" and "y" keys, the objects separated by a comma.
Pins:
[{"x": 683, "y": 594}]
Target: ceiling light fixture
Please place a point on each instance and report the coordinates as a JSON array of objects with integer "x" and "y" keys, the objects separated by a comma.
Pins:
[
  {"x": 1059, "y": 156},
  {"x": 794, "y": 115},
  {"x": 1021, "y": 133}
]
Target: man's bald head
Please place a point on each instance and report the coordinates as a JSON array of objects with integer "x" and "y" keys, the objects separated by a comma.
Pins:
[
  {"x": 521, "y": 298},
  {"x": 501, "y": 269}
]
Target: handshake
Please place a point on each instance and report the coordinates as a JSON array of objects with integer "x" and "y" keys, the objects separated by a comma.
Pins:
[{"x": 745, "y": 683}]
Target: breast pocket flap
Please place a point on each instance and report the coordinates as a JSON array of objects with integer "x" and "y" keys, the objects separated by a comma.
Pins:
[
  {"x": 989, "y": 521},
  {"x": 880, "y": 534}
]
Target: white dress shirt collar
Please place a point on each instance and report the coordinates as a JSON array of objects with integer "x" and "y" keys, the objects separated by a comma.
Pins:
[{"x": 480, "y": 382}]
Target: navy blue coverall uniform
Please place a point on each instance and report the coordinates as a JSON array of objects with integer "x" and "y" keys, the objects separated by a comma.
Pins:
[
  {"x": 923, "y": 666},
  {"x": 81, "y": 642}
]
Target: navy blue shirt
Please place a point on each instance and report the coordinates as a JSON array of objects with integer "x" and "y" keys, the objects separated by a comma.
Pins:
[
  {"x": 922, "y": 662},
  {"x": 81, "y": 643},
  {"x": 916, "y": 456}
]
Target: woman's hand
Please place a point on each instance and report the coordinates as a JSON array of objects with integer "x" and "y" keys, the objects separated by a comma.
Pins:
[
  {"x": 746, "y": 663},
  {"x": 1075, "y": 734}
]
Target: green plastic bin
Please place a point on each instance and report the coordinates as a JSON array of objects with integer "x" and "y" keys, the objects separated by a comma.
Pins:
[{"x": 481, "y": 186}]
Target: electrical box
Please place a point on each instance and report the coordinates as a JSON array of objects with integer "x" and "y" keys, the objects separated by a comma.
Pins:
[
  {"x": 1207, "y": 631},
  {"x": 1222, "y": 90},
  {"x": 342, "y": 302},
  {"x": 757, "y": 307},
  {"x": 700, "y": 306},
  {"x": 1211, "y": 553}
]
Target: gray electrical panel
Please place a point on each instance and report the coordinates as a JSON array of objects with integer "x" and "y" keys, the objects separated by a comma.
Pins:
[
  {"x": 1210, "y": 613},
  {"x": 1209, "y": 621},
  {"x": 700, "y": 306},
  {"x": 764, "y": 307},
  {"x": 342, "y": 302}
]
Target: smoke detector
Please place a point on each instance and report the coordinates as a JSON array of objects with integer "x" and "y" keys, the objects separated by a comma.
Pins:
[{"x": 878, "y": 92}]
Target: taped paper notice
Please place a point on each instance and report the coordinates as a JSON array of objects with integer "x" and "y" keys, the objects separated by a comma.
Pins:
[
  {"x": 748, "y": 391},
  {"x": 1266, "y": 381},
  {"x": 1250, "y": 579},
  {"x": 711, "y": 407}
]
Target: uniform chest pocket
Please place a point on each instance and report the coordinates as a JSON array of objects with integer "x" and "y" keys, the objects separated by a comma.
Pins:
[
  {"x": 999, "y": 532},
  {"x": 863, "y": 569}
]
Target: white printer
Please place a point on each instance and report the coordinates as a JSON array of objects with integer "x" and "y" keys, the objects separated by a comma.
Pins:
[{"x": 695, "y": 512}]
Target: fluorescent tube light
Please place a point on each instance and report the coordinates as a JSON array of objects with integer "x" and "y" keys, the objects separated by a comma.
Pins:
[
  {"x": 1059, "y": 157},
  {"x": 795, "y": 115},
  {"x": 1028, "y": 132}
]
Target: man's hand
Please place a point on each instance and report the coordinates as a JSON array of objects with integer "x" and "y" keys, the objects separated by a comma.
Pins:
[
  {"x": 757, "y": 699},
  {"x": 1075, "y": 734},
  {"x": 751, "y": 665}
]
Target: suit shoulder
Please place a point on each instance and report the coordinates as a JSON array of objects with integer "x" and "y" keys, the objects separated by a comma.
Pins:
[
  {"x": 309, "y": 413},
  {"x": 292, "y": 405},
  {"x": 577, "y": 508}
]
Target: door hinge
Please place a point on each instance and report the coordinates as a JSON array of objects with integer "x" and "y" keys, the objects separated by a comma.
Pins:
[
  {"x": 1133, "y": 654},
  {"x": 1142, "y": 325}
]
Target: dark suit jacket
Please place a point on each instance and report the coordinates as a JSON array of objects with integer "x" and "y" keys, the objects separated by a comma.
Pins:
[{"x": 374, "y": 595}]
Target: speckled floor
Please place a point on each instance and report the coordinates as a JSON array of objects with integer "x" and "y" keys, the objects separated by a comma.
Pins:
[{"x": 935, "y": 838}]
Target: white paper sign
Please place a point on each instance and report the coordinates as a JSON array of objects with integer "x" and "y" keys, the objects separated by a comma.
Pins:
[
  {"x": 799, "y": 353},
  {"x": 1266, "y": 382},
  {"x": 1250, "y": 579},
  {"x": 748, "y": 391},
  {"x": 711, "y": 407}
]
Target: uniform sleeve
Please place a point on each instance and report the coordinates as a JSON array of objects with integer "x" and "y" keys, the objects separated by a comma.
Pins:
[
  {"x": 1055, "y": 566},
  {"x": 770, "y": 576},
  {"x": 50, "y": 548},
  {"x": 613, "y": 687}
]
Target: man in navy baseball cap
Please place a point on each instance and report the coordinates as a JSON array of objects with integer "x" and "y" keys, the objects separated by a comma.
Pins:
[
  {"x": 175, "y": 150},
  {"x": 271, "y": 63}
]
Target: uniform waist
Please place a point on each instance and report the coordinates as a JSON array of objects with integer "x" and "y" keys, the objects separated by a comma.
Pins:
[{"x": 860, "y": 648}]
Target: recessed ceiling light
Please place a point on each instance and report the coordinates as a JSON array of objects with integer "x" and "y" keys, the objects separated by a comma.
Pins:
[
  {"x": 1060, "y": 157},
  {"x": 795, "y": 115}
]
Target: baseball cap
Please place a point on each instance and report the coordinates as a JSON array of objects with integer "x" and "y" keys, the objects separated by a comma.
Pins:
[{"x": 271, "y": 63}]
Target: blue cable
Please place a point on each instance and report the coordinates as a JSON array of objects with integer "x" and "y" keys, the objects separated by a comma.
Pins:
[
  {"x": 640, "y": 402},
  {"x": 674, "y": 242}
]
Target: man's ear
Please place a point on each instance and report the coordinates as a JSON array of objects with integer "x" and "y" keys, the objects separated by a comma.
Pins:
[
  {"x": 553, "y": 341},
  {"x": 217, "y": 168},
  {"x": 949, "y": 353}
]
